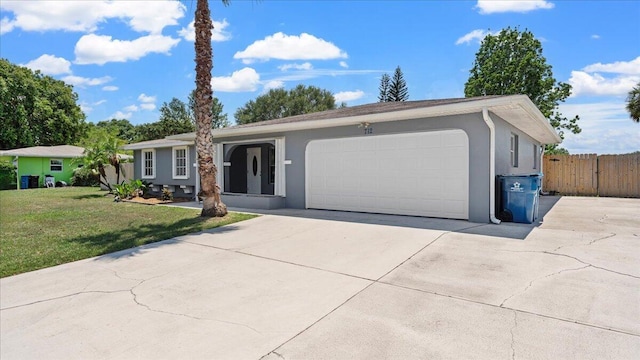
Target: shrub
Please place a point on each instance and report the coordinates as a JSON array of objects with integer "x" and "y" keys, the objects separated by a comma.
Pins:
[
  {"x": 8, "y": 176},
  {"x": 167, "y": 195},
  {"x": 84, "y": 176},
  {"x": 124, "y": 191}
]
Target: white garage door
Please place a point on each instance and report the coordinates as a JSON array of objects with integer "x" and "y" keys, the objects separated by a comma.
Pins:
[{"x": 425, "y": 174}]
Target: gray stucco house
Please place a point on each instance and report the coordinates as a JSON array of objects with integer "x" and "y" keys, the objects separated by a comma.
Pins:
[{"x": 435, "y": 158}]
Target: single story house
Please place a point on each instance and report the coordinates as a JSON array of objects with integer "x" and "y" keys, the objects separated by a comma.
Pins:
[
  {"x": 435, "y": 158},
  {"x": 56, "y": 161}
]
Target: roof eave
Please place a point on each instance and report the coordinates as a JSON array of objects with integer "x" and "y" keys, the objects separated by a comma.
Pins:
[
  {"x": 146, "y": 145},
  {"x": 545, "y": 133}
]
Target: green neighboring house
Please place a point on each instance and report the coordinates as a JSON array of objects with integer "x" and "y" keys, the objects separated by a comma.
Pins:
[{"x": 56, "y": 161}]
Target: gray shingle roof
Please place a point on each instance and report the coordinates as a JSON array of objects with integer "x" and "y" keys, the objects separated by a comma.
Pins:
[
  {"x": 61, "y": 151},
  {"x": 367, "y": 109}
]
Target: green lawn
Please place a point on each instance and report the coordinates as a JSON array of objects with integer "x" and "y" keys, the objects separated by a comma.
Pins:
[{"x": 46, "y": 227}]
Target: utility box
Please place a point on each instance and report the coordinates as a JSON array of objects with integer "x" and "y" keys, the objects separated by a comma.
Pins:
[{"x": 520, "y": 197}]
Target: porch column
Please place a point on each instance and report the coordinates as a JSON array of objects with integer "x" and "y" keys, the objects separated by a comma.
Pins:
[{"x": 281, "y": 183}]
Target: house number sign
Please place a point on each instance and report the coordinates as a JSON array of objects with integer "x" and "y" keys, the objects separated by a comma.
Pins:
[{"x": 368, "y": 130}]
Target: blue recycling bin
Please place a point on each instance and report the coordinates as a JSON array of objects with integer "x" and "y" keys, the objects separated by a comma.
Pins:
[
  {"x": 520, "y": 197},
  {"x": 24, "y": 182}
]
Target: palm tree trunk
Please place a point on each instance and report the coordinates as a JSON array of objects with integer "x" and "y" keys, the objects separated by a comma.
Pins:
[{"x": 212, "y": 204}]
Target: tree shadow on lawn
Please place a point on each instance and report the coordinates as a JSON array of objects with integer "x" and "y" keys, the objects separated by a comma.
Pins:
[
  {"x": 89, "y": 196},
  {"x": 126, "y": 242}
]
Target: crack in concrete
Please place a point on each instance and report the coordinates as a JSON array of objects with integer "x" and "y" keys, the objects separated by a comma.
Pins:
[
  {"x": 574, "y": 258},
  {"x": 149, "y": 308},
  {"x": 64, "y": 297},
  {"x": 590, "y": 242},
  {"x": 513, "y": 339},
  {"x": 540, "y": 278}
]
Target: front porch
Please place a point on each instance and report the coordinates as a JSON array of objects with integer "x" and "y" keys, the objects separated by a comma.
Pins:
[{"x": 252, "y": 173}]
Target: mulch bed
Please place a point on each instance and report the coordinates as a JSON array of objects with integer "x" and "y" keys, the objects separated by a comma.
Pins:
[{"x": 156, "y": 201}]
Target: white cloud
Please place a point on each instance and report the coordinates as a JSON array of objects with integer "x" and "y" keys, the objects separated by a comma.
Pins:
[
  {"x": 50, "y": 65},
  {"x": 290, "y": 47},
  {"x": 99, "y": 102},
  {"x": 83, "y": 81},
  {"x": 110, "y": 88},
  {"x": 86, "y": 108},
  {"x": 348, "y": 95},
  {"x": 86, "y": 16},
  {"x": 121, "y": 115},
  {"x": 147, "y": 106},
  {"x": 475, "y": 35},
  {"x": 619, "y": 67},
  {"x": 273, "y": 84},
  {"x": 595, "y": 36},
  {"x": 217, "y": 34},
  {"x": 245, "y": 79},
  {"x": 6, "y": 25},
  {"x": 606, "y": 129},
  {"x": 595, "y": 84},
  {"x": 101, "y": 49},
  {"x": 303, "y": 66},
  {"x": 344, "y": 64},
  {"x": 590, "y": 81},
  {"x": 131, "y": 108},
  {"x": 146, "y": 98},
  {"x": 520, "y": 6}
]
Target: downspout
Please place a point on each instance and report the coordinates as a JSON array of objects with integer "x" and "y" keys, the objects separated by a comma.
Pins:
[{"x": 492, "y": 166}]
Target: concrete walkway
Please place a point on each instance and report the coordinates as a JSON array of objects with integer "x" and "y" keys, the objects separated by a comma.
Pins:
[{"x": 334, "y": 285}]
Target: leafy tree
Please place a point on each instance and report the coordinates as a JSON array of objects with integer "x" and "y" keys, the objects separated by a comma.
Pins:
[
  {"x": 36, "y": 109},
  {"x": 385, "y": 84},
  {"x": 212, "y": 204},
  {"x": 633, "y": 103},
  {"x": 556, "y": 151},
  {"x": 512, "y": 63},
  {"x": 398, "y": 90},
  {"x": 218, "y": 120},
  {"x": 120, "y": 128},
  {"x": 174, "y": 119},
  {"x": 280, "y": 103}
]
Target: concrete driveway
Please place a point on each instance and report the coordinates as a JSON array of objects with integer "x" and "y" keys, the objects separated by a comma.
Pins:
[{"x": 334, "y": 285}]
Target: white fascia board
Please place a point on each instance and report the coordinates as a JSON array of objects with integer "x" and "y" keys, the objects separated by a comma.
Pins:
[
  {"x": 168, "y": 143},
  {"x": 544, "y": 125}
]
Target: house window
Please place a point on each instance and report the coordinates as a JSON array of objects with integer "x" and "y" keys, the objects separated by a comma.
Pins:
[
  {"x": 272, "y": 165},
  {"x": 148, "y": 164},
  {"x": 55, "y": 165},
  {"x": 180, "y": 162},
  {"x": 535, "y": 156},
  {"x": 514, "y": 150}
]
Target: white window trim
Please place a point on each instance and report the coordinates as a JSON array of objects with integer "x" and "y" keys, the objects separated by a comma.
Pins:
[
  {"x": 61, "y": 165},
  {"x": 153, "y": 164},
  {"x": 173, "y": 162}
]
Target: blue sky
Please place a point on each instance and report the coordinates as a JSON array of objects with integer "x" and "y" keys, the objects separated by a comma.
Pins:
[{"x": 125, "y": 58}]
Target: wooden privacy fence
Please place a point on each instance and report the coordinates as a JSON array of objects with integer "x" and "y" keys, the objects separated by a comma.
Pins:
[
  {"x": 592, "y": 175},
  {"x": 111, "y": 174}
]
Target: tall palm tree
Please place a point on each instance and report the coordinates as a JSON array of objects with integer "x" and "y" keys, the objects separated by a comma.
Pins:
[
  {"x": 212, "y": 204},
  {"x": 633, "y": 103}
]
